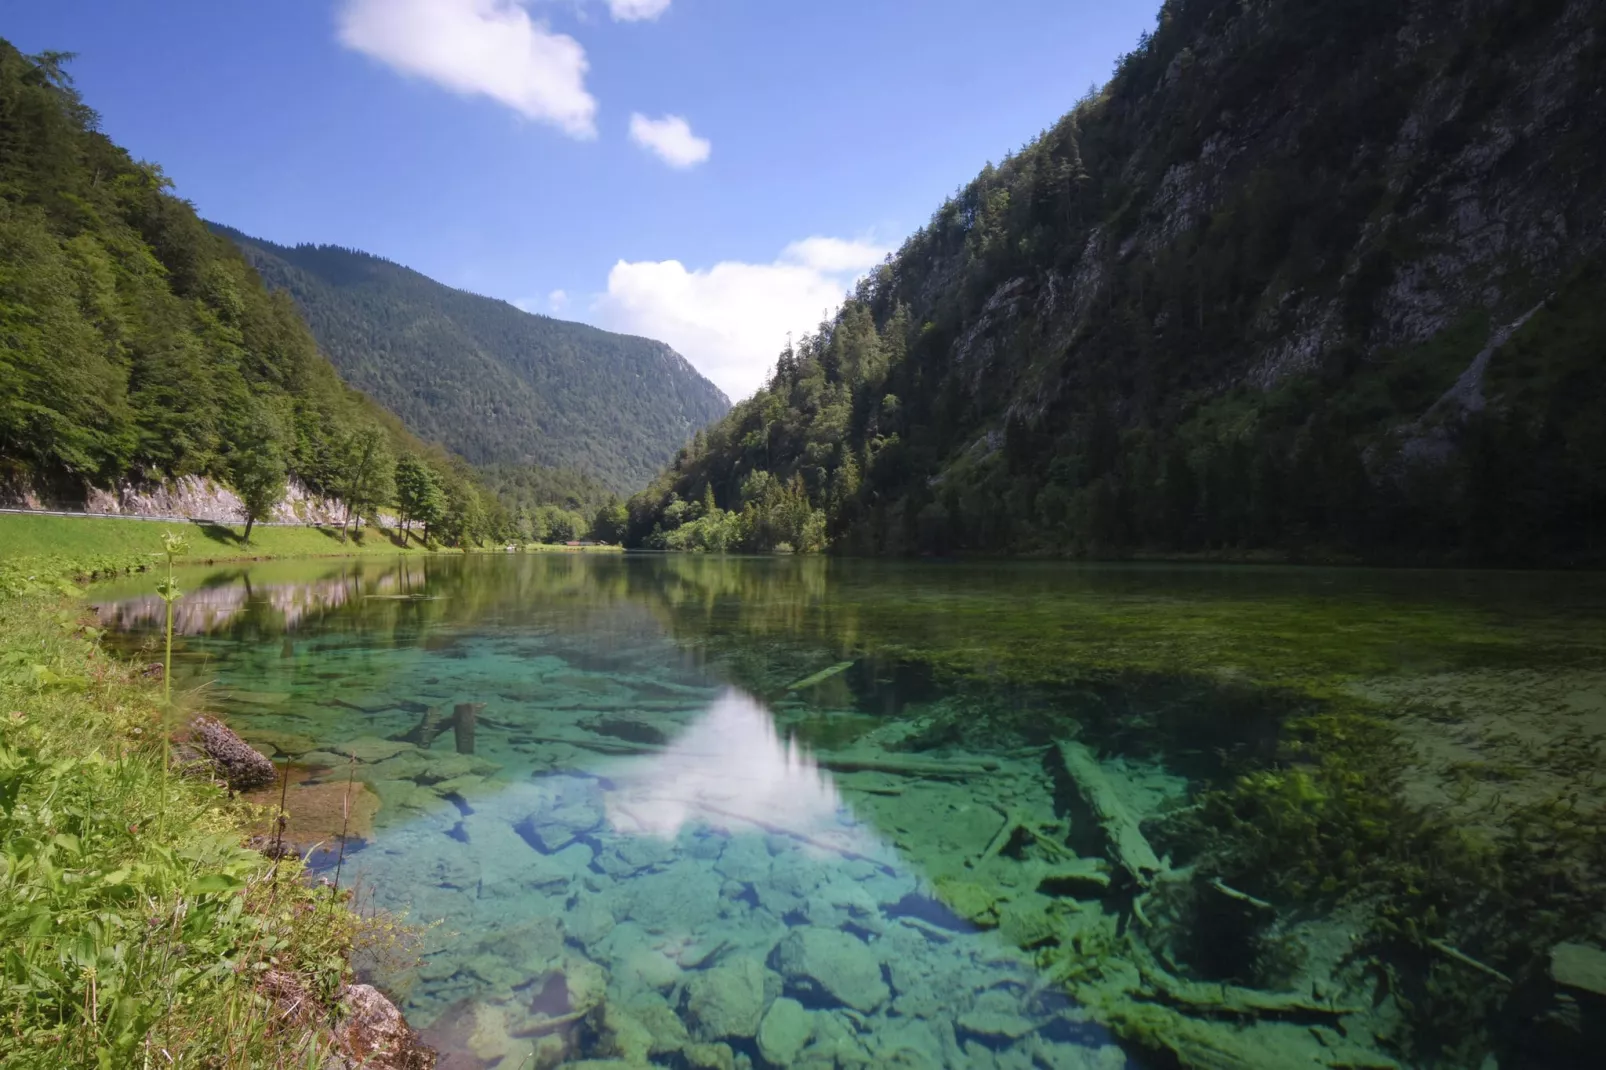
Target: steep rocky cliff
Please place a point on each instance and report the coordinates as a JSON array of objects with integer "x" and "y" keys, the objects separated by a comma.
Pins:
[{"x": 1307, "y": 276}]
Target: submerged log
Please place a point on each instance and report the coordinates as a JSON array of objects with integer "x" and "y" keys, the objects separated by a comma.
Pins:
[
  {"x": 1127, "y": 844},
  {"x": 1206, "y": 1045},
  {"x": 908, "y": 768},
  {"x": 463, "y": 716},
  {"x": 905, "y": 767},
  {"x": 821, "y": 676},
  {"x": 1233, "y": 1000},
  {"x": 1457, "y": 955},
  {"x": 428, "y": 728},
  {"x": 1016, "y": 826},
  {"x": 370, "y": 710},
  {"x": 1218, "y": 886},
  {"x": 794, "y": 834},
  {"x": 596, "y": 743}
]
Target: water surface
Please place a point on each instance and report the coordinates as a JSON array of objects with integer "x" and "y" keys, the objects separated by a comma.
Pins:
[{"x": 774, "y": 812}]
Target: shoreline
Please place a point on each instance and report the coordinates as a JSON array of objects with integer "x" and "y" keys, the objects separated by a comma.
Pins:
[{"x": 167, "y": 933}]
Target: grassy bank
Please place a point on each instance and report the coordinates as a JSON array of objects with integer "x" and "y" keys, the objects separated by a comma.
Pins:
[
  {"x": 559, "y": 548},
  {"x": 55, "y": 546},
  {"x": 137, "y": 928}
]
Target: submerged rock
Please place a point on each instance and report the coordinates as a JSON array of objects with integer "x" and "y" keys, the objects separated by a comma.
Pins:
[
  {"x": 727, "y": 1000},
  {"x": 1579, "y": 966},
  {"x": 290, "y": 744},
  {"x": 591, "y": 920},
  {"x": 668, "y": 1032},
  {"x": 710, "y": 1056},
  {"x": 629, "y": 729},
  {"x": 745, "y": 859},
  {"x": 1026, "y": 924},
  {"x": 995, "y": 1025},
  {"x": 969, "y": 900},
  {"x": 569, "y": 808},
  {"x": 677, "y": 899},
  {"x": 908, "y": 1042},
  {"x": 624, "y": 1037},
  {"x": 786, "y": 1028},
  {"x": 832, "y": 964},
  {"x": 371, "y": 748}
]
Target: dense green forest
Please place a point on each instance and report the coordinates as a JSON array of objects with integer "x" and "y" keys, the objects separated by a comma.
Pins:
[
  {"x": 135, "y": 345},
  {"x": 1307, "y": 278},
  {"x": 556, "y": 504},
  {"x": 494, "y": 384}
]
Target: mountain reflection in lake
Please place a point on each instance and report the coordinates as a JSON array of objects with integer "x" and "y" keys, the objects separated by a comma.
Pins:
[{"x": 722, "y": 812}]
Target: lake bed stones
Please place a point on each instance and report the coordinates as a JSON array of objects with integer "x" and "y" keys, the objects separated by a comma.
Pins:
[
  {"x": 1027, "y": 924},
  {"x": 709, "y": 1056},
  {"x": 971, "y": 901},
  {"x": 1579, "y": 966},
  {"x": 290, "y": 744},
  {"x": 726, "y": 1000},
  {"x": 675, "y": 900},
  {"x": 785, "y": 1029},
  {"x": 827, "y": 963},
  {"x": 668, "y": 1032},
  {"x": 575, "y": 809},
  {"x": 370, "y": 749},
  {"x": 745, "y": 860},
  {"x": 995, "y": 1025},
  {"x": 623, "y": 1036}
]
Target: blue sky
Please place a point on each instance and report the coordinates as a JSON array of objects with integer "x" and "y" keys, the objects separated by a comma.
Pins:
[{"x": 708, "y": 172}]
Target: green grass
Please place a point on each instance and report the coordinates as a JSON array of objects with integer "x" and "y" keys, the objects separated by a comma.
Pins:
[
  {"x": 43, "y": 550},
  {"x": 136, "y": 927},
  {"x": 559, "y": 548}
]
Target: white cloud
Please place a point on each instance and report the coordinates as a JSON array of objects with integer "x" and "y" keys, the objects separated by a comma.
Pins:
[
  {"x": 731, "y": 320},
  {"x": 671, "y": 139},
  {"x": 730, "y": 769},
  {"x": 835, "y": 255},
  {"x": 636, "y": 10},
  {"x": 489, "y": 47},
  {"x": 557, "y": 300}
]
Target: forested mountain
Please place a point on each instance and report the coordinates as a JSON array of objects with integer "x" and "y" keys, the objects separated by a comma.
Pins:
[
  {"x": 137, "y": 345},
  {"x": 493, "y": 383},
  {"x": 1308, "y": 277}
]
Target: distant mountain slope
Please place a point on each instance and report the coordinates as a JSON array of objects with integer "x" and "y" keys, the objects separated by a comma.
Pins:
[
  {"x": 493, "y": 383},
  {"x": 1312, "y": 277}
]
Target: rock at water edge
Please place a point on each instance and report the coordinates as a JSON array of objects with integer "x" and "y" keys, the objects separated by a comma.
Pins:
[
  {"x": 372, "y": 1033},
  {"x": 235, "y": 761}
]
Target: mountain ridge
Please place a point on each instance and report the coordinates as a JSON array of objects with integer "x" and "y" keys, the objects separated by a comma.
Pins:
[
  {"x": 1222, "y": 307},
  {"x": 492, "y": 382}
]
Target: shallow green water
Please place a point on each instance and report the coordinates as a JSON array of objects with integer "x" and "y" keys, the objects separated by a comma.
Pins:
[{"x": 734, "y": 812}]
